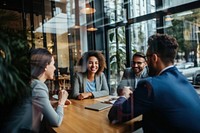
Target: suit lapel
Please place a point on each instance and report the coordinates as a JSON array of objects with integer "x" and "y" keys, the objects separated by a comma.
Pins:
[
  {"x": 97, "y": 81},
  {"x": 84, "y": 82}
]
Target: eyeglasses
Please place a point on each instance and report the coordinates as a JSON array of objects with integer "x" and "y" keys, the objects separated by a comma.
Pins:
[{"x": 138, "y": 63}]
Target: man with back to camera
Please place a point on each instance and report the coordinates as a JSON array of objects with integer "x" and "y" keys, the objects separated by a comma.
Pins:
[
  {"x": 134, "y": 73},
  {"x": 168, "y": 102}
]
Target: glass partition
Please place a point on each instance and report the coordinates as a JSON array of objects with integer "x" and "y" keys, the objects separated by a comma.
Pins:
[
  {"x": 117, "y": 55},
  {"x": 67, "y": 30}
]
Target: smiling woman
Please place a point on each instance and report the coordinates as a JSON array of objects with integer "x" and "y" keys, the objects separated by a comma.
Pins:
[{"x": 91, "y": 81}]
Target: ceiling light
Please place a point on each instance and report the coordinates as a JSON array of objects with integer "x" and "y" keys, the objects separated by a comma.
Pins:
[
  {"x": 92, "y": 29},
  {"x": 76, "y": 26},
  {"x": 88, "y": 9},
  {"x": 4, "y": 3}
]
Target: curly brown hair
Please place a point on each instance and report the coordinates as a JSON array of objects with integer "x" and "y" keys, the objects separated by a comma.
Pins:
[{"x": 84, "y": 59}]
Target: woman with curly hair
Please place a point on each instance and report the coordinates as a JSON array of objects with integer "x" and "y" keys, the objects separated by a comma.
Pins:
[{"x": 91, "y": 81}]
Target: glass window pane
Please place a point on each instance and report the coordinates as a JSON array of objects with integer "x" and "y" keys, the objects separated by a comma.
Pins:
[
  {"x": 141, "y": 7},
  {"x": 114, "y": 10},
  {"x": 117, "y": 55},
  {"x": 184, "y": 26},
  {"x": 173, "y": 3},
  {"x": 140, "y": 33}
]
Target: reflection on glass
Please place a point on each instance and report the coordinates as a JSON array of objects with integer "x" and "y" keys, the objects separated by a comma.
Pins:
[
  {"x": 172, "y": 3},
  {"x": 117, "y": 55},
  {"x": 140, "y": 33},
  {"x": 186, "y": 30},
  {"x": 114, "y": 10},
  {"x": 141, "y": 7},
  {"x": 62, "y": 28}
]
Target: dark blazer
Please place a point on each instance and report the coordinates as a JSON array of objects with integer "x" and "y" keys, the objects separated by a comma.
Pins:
[
  {"x": 168, "y": 102},
  {"x": 79, "y": 84}
]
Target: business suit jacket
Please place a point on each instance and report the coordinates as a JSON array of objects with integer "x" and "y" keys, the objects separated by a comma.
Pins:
[
  {"x": 28, "y": 116},
  {"x": 129, "y": 78},
  {"x": 79, "y": 85},
  {"x": 168, "y": 102}
]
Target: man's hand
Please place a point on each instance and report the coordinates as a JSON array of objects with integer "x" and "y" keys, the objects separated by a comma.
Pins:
[{"x": 126, "y": 92}]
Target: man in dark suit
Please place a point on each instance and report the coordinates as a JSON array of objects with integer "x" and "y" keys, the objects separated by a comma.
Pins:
[
  {"x": 167, "y": 101},
  {"x": 133, "y": 74}
]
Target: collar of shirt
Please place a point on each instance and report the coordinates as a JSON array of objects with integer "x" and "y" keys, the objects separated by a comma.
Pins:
[{"x": 166, "y": 69}]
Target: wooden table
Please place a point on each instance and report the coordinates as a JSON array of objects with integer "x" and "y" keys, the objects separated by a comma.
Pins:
[{"x": 77, "y": 119}]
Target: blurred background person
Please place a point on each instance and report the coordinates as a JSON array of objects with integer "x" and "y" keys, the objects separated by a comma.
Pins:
[
  {"x": 134, "y": 73},
  {"x": 91, "y": 81}
]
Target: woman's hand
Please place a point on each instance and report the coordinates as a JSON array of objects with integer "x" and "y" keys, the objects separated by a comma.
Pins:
[
  {"x": 82, "y": 96},
  {"x": 62, "y": 97}
]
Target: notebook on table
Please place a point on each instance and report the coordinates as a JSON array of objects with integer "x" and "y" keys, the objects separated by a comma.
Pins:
[{"x": 98, "y": 106}]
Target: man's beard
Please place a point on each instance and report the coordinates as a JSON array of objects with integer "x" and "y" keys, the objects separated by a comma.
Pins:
[
  {"x": 137, "y": 70},
  {"x": 152, "y": 70}
]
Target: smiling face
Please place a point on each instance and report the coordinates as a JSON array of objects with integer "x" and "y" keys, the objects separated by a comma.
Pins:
[
  {"x": 49, "y": 70},
  {"x": 138, "y": 64},
  {"x": 92, "y": 65}
]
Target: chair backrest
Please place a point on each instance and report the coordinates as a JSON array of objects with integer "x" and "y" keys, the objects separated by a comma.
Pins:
[{"x": 63, "y": 70}]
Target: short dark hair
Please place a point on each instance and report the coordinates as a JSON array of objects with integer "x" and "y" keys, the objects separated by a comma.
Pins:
[
  {"x": 163, "y": 45},
  {"x": 98, "y": 54},
  {"x": 140, "y": 54}
]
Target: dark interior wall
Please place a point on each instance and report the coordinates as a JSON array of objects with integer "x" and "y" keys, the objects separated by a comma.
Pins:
[{"x": 22, "y": 5}]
